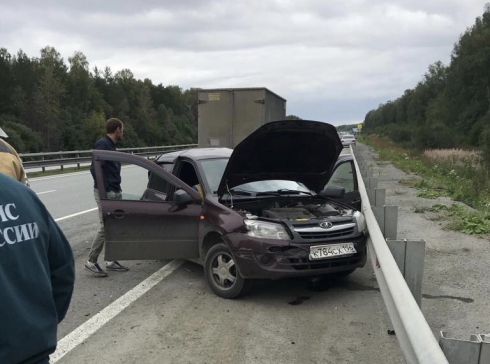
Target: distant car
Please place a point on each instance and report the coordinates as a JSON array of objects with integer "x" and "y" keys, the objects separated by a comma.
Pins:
[
  {"x": 348, "y": 140},
  {"x": 283, "y": 203}
]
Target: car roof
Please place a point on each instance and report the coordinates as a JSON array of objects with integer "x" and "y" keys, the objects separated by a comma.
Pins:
[
  {"x": 195, "y": 154},
  {"x": 210, "y": 153}
]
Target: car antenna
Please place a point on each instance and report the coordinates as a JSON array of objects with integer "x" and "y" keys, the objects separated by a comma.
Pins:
[{"x": 229, "y": 192}]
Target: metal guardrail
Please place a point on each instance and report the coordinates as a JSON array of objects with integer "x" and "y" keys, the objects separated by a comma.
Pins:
[
  {"x": 416, "y": 340},
  {"x": 476, "y": 350},
  {"x": 36, "y": 160}
]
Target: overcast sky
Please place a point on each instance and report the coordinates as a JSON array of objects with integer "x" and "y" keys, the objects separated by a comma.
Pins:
[{"x": 333, "y": 60}]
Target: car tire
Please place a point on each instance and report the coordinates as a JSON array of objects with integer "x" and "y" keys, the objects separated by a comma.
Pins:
[{"x": 222, "y": 274}]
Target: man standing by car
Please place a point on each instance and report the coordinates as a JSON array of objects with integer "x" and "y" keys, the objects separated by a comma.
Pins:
[
  {"x": 37, "y": 274},
  {"x": 112, "y": 183}
]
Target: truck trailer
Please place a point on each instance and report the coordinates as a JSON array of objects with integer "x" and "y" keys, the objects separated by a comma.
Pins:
[{"x": 227, "y": 116}]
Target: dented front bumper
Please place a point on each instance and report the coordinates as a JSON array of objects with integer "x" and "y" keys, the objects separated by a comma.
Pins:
[{"x": 275, "y": 259}]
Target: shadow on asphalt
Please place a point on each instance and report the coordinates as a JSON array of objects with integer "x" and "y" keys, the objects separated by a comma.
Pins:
[{"x": 295, "y": 291}]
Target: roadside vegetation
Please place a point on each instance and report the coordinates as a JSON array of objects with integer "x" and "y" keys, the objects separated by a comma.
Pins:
[
  {"x": 440, "y": 130},
  {"x": 457, "y": 174}
]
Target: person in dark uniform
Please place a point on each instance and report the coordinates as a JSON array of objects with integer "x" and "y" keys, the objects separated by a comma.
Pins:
[
  {"x": 37, "y": 275},
  {"x": 112, "y": 179}
]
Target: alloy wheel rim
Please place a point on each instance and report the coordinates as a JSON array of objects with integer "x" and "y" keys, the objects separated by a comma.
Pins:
[{"x": 223, "y": 270}]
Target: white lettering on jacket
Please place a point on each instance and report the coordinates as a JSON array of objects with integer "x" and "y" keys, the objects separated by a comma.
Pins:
[
  {"x": 6, "y": 213},
  {"x": 16, "y": 234}
]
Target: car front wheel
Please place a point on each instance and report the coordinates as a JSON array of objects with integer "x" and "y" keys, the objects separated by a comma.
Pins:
[{"x": 222, "y": 274}]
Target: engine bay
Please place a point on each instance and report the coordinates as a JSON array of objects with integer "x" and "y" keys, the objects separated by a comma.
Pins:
[{"x": 293, "y": 211}]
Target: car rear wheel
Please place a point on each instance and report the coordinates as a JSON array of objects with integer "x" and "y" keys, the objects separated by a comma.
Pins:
[{"x": 222, "y": 274}]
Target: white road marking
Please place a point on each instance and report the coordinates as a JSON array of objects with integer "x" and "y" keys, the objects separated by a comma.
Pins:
[
  {"x": 73, "y": 215},
  {"x": 84, "y": 331},
  {"x": 42, "y": 193}
]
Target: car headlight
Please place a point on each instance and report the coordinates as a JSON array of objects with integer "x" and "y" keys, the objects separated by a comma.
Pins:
[
  {"x": 360, "y": 220},
  {"x": 266, "y": 230}
]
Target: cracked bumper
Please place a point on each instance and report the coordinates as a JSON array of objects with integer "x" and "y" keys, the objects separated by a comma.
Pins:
[{"x": 276, "y": 259}]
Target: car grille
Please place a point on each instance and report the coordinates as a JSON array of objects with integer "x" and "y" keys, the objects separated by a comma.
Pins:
[{"x": 336, "y": 231}]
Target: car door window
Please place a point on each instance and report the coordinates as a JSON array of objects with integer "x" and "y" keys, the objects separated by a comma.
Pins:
[
  {"x": 187, "y": 174},
  {"x": 157, "y": 186},
  {"x": 343, "y": 176},
  {"x": 140, "y": 184}
]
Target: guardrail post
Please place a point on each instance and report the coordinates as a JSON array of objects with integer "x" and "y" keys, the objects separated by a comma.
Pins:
[
  {"x": 78, "y": 164},
  {"x": 391, "y": 222},
  {"x": 367, "y": 173},
  {"x": 410, "y": 258},
  {"x": 387, "y": 218},
  {"x": 43, "y": 168},
  {"x": 372, "y": 183},
  {"x": 379, "y": 214},
  {"x": 461, "y": 351},
  {"x": 377, "y": 196},
  {"x": 485, "y": 349}
]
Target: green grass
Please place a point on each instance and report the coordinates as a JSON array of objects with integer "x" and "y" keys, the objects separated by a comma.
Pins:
[
  {"x": 408, "y": 182},
  {"x": 464, "y": 183},
  {"x": 460, "y": 218},
  {"x": 429, "y": 193},
  {"x": 438, "y": 207},
  {"x": 469, "y": 222}
]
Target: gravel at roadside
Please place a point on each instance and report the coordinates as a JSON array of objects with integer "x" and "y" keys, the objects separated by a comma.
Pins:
[{"x": 457, "y": 266}]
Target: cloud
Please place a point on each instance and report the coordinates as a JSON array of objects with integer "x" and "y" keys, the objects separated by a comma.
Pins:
[{"x": 327, "y": 58}]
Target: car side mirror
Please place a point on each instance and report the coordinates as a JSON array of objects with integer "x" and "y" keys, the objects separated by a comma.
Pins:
[
  {"x": 333, "y": 191},
  {"x": 182, "y": 198}
]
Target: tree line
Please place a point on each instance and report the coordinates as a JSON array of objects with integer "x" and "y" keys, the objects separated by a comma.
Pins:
[
  {"x": 47, "y": 104},
  {"x": 347, "y": 127},
  {"x": 450, "y": 106}
]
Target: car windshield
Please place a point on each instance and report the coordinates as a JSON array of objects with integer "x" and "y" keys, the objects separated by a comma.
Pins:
[
  {"x": 349, "y": 137},
  {"x": 213, "y": 170},
  {"x": 272, "y": 186}
]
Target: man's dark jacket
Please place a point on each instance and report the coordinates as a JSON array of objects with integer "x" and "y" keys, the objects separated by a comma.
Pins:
[
  {"x": 36, "y": 276},
  {"x": 111, "y": 170}
]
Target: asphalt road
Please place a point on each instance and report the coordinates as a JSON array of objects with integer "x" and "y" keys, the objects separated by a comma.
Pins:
[{"x": 179, "y": 320}]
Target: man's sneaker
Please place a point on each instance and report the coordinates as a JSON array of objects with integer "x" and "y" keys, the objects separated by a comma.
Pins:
[
  {"x": 95, "y": 269},
  {"x": 116, "y": 266}
]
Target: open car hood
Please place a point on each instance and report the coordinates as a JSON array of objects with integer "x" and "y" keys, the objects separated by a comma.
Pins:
[{"x": 296, "y": 150}]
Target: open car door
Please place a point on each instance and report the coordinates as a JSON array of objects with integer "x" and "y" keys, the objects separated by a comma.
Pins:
[
  {"x": 147, "y": 223},
  {"x": 344, "y": 175}
]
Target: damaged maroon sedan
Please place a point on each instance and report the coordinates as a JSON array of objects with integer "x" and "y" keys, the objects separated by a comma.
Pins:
[{"x": 281, "y": 204}]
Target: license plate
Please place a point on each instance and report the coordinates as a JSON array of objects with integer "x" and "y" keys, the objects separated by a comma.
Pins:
[{"x": 331, "y": 251}]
